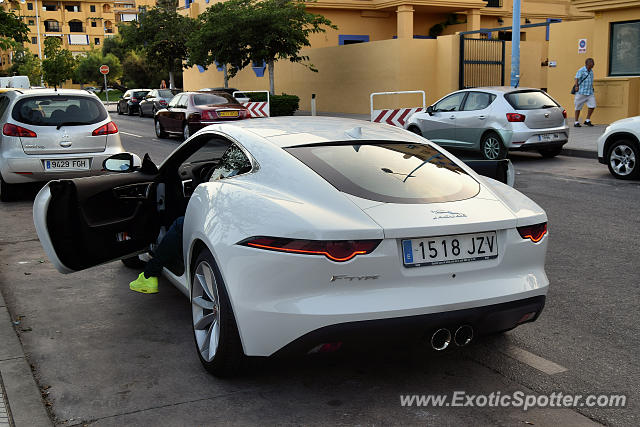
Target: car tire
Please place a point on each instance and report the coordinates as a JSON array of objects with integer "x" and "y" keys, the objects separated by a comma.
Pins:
[
  {"x": 7, "y": 193},
  {"x": 548, "y": 153},
  {"x": 185, "y": 131},
  {"x": 160, "y": 133},
  {"x": 118, "y": 109},
  {"x": 140, "y": 111},
  {"x": 491, "y": 147},
  {"x": 622, "y": 159},
  {"x": 133, "y": 262},
  {"x": 414, "y": 129},
  {"x": 213, "y": 319}
]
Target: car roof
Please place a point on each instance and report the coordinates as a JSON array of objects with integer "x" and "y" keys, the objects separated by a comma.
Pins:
[
  {"x": 49, "y": 91},
  {"x": 500, "y": 89},
  {"x": 291, "y": 131}
]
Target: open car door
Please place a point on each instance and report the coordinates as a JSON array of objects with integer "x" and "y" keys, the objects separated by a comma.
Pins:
[{"x": 85, "y": 222}]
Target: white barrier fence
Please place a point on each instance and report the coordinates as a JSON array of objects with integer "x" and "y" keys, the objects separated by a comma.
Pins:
[
  {"x": 397, "y": 116},
  {"x": 257, "y": 109}
]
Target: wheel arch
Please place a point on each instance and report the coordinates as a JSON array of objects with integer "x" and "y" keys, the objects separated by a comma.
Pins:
[{"x": 614, "y": 137}]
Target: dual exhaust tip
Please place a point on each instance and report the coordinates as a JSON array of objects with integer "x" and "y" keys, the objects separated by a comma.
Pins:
[{"x": 441, "y": 338}]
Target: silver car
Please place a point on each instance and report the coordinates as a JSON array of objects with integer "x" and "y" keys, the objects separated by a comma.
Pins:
[
  {"x": 51, "y": 134},
  {"x": 494, "y": 120},
  {"x": 155, "y": 101}
]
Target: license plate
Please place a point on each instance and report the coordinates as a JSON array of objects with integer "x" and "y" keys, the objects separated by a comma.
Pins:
[
  {"x": 228, "y": 114},
  {"x": 548, "y": 137},
  {"x": 449, "y": 249},
  {"x": 66, "y": 165}
]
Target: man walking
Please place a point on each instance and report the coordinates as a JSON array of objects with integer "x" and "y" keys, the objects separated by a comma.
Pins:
[{"x": 584, "y": 92}]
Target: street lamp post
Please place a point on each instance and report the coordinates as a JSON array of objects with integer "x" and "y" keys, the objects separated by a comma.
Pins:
[{"x": 515, "y": 44}]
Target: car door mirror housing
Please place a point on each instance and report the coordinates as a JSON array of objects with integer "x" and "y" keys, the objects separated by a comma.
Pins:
[
  {"x": 430, "y": 110},
  {"x": 121, "y": 162}
]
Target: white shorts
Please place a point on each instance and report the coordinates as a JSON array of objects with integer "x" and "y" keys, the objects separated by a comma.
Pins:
[{"x": 580, "y": 100}]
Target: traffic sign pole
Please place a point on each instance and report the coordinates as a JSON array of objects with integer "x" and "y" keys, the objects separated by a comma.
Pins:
[{"x": 104, "y": 69}]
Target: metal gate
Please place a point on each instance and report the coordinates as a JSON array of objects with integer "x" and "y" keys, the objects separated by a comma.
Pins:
[{"x": 481, "y": 62}]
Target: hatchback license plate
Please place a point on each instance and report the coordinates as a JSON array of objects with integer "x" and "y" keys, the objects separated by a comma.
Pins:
[
  {"x": 228, "y": 114},
  {"x": 548, "y": 137},
  {"x": 449, "y": 249},
  {"x": 66, "y": 165}
]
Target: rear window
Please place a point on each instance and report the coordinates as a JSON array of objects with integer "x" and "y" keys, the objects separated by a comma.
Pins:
[
  {"x": 530, "y": 100},
  {"x": 389, "y": 172},
  {"x": 213, "y": 99},
  {"x": 140, "y": 94},
  {"x": 53, "y": 110},
  {"x": 165, "y": 93}
]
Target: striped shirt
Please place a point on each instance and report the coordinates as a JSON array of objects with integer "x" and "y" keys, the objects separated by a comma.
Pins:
[{"x": 585, "y": 79}]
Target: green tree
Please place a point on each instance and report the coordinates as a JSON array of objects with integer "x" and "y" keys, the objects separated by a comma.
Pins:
[
  {"x": 161, "y": 34},
  {"x": 27, "y": 64},
  {"x": 115, "y": 46},
  {"x": 88, "y": 67},
  {"x": 59, "y": 63},
  {"x": 12, "y": 30}
]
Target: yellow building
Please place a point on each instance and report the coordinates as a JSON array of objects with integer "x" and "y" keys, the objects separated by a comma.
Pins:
[
  {"x": 612, "y": 39},
  {"x": 80, "y": 24},
  {"x": 387, "y": 45}
]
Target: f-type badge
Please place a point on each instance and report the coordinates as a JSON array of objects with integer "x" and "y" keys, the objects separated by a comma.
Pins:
[
  {"x": 352, "y": 278},
  {"x": 442, "y": 214}
]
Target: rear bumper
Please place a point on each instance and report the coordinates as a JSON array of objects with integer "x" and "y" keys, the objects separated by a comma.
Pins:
[
  {"x": 524, "y": 138},
  {"x": 483, "y": 320},
  {"x": 538, "y": 146}
]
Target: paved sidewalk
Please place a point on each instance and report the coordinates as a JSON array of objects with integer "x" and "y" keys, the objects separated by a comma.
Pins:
[{"x": 21, "y": 404}]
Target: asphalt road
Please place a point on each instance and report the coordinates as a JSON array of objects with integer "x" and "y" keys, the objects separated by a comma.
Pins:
[{"x": 104, "y": 355}]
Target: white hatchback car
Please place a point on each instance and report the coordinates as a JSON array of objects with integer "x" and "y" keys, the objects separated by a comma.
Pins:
[
  {"x": 619, "y": 148},
  {"x": 301, "y": 234},
  {"x": 50, "y": 134}
]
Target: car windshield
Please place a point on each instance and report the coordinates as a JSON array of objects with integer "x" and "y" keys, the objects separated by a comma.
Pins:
[
  {"x": 54, "y": 110},
  {"x": 140, "y": 94},
  {"x": 165, "y": 93},
  {"x": 213, "y": 99},
  {"x": 530, "y": 100},
  {"x": 397, "y": 172}
]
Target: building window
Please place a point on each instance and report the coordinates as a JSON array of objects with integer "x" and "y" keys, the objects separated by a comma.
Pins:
[
  {"x": 34, "y": 40},
  {"x": 351, "y": 39},
  {"x": 494, "y": 3},
  {"x": 92, "y": 8},
  {"x": 106, "y": 8},
  {"x": 72, "y": 8},
  {"x": 52, "y": 26},
  {"x": 29, "y": 6},
  {"x": 624, "y": 50},
  {"x": 49, "y": 7},
  {"x": 94, "y": 24},
  {"x": 96, "y": 41},
  {"x": 75, "y": 26},
  {"x": 32, "y": 22}
]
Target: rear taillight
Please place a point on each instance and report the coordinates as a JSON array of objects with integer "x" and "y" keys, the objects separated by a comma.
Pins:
[
  {"x": 209, "y": 115},
  {"x": 107, "y": 129},
  {"x": 535, "y": 232},
  {"x": 162, "y": 102},
  {"x": 12, "y": 130},
  {"x": 564, "y": 113},
  {"x": 335, "y": 250},
  {"x": 134, "y": 99},
  {"x": 515, "y": 117}
]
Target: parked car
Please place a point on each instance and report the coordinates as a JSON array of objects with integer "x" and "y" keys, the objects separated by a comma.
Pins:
[
  {"x": 130, "y": 101},
  {"x": 49, "y": 134},
  {"x": 155, "y": 100},
  {"x": 494, "y": 120},
  {"x": 91, "y": 89},
  {"x": 619, "y": 148},
  {"x": 240, "y": 96},
  {"x": 304, "y": 234},
  {"x": 189, "y": 112}
]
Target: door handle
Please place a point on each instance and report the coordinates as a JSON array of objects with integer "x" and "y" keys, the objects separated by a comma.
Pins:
[
  {"x": 452, "y": 117},
  {"x": 482, "y": 117}
]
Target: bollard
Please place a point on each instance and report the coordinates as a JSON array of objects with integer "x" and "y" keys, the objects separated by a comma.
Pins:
[{"x": 313, "y": 104}]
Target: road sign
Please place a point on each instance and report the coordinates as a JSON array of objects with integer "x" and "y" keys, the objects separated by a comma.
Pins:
[
  {"x": 582, "y": 46},
  {"x": 104, "y": 69}
]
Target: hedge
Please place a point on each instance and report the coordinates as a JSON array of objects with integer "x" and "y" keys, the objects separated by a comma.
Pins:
[{"x": 281, "y": 105}]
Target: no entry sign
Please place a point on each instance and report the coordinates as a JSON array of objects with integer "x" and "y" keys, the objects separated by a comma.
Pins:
[{"x": 104, "y": 69}]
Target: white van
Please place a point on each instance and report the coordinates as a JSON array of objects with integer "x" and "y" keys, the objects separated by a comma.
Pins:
[{"x": 15, "y": 82}]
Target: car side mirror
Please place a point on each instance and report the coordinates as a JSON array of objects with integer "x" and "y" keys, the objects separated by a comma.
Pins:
[
  {"x": 430, "y": 110},
  {"x": 121, "y": 162}
]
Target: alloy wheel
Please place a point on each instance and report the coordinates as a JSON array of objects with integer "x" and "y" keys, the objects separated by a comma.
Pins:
[
  {"x": 185, "y": 132},
  {"x": 491, "y": 148},
  {"x": 205, "y": 304},
  {"x": 622, "y": 160}
]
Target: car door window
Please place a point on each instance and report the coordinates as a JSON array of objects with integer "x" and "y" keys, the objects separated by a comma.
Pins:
[
  {"x": 127, "y": 95},
  {"x": 234, "y": 162},
  {"x": 451, "y": 102},
  {"x": 4, "y": 102},
  {"x": 477, "y": 101},
  {"x": 174, "y": 101},
  {"x": 184, "y": 99},
  {"x": 199, "y": 166}
]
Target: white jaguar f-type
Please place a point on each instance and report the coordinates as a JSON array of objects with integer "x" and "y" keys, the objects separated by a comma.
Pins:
[{"x": 304, "y": 234}]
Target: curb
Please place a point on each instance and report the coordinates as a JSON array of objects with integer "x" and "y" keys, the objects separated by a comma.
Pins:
[
  {"x": 22, "y": 399},
  {"x": 575, "y": 152}
]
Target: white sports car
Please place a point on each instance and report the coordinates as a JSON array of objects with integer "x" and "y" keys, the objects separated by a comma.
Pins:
[{"x": 301, "y": 234}]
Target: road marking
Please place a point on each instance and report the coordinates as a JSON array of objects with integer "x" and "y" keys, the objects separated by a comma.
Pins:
[
  {"x": 536, "y": 362},
  {"x": 131, "y": 134}
]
